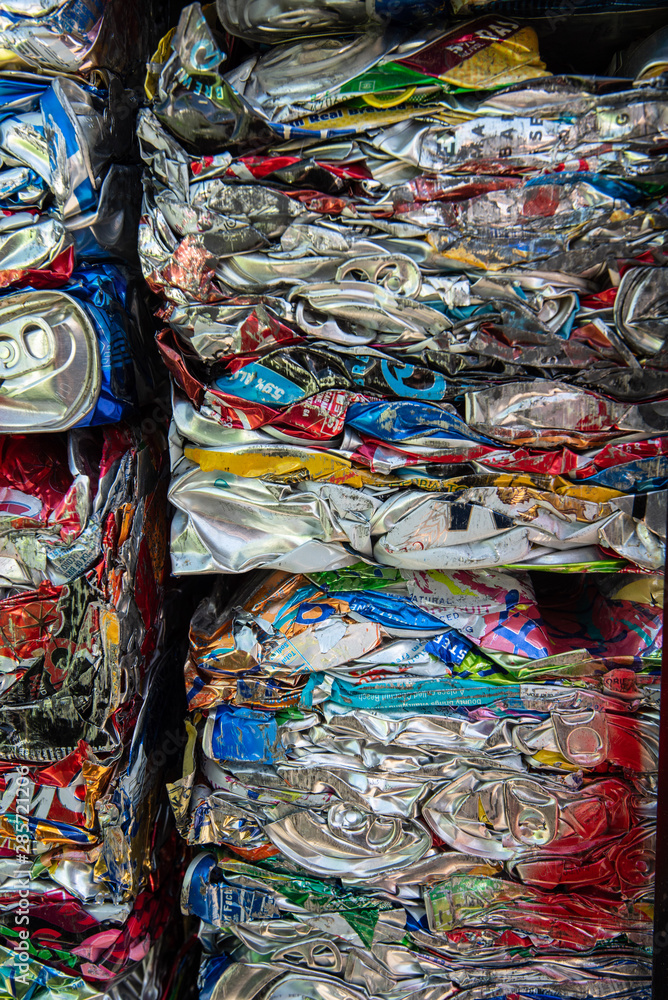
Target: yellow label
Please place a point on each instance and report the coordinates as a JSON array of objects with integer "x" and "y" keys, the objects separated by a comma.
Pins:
[
  {"x": 158, "y": 59},
  {"x": 256, "y": 464},
  {"x": 482, "y": 815},
  {"x": 110, "y": 628},
  {"x": 550, "y": 758},
  {"x": 500, "y": 64}
]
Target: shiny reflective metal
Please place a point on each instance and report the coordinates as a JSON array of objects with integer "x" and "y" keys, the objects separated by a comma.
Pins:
[
  {"x": 399, "y": 274},
  {"x": 29, "y": 247},
  {"x": 49, "y": 362},
  {"x": 548, "y": 412},
  {"x": 275, "y": 20},
  {"x": 349, "y": 842},
  {"x": 243, "y": 982},
  {"x": 641, "y": 309},
  {"x": 306, "y": 75},
  {"x": 501, "y": 815},
  {"x": 372, "y": 306},
  {"x": 22, "y": 138},
  {"x": 227, "y": 522}
]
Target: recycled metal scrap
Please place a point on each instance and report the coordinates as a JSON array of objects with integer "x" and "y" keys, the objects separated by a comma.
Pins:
[
  {"x": 89, "y": 858},
  {"x": 337, "y": 295},
  {"x": 412, "y": 284},
  {"x": 82, "y": 626}
]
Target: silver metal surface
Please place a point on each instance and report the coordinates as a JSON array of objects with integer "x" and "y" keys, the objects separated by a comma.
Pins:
[{"x": 49, "y": 362}]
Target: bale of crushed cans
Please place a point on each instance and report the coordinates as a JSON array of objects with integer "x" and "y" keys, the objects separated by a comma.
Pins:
[
  {"x": 89, "y": 856},
  {"x": 87, "y": 848},
  {"x": 413, "y": 296},
  {"x": 389, "y": 326}
]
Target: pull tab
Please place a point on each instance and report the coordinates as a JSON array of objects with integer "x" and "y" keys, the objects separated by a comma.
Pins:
[
  {"x": 26, "y": 345},
  {"x": 396, "y": 273},
  {"x": 582, "y": 737},
  {"x": 320, "y": 953},
  {"x": 328, "y": 329},
  {"x": 532, "y": 813}
]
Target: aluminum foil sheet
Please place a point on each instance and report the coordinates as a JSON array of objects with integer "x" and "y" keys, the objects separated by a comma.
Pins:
[{"x": 411, "y": 281}]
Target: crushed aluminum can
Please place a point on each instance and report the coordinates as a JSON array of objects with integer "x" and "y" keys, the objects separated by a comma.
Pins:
[
  {"x": 89, "y": 860},
  {"x": 274, "y": 22},
  {"x": 66, "y": 36},
  {"x": 638, "y": 310},
  {"x": 65, "y": 145},
  {"x": 271, "y": 22},
  {"x": 85, "y": 845},
  {"x": 71, "y": 358},
  {"x": 411, "y": 309},
  {"x": 301, "y": 785},
  {"x": 49, "y": 362},
  {"x": 484, "y": 54}
]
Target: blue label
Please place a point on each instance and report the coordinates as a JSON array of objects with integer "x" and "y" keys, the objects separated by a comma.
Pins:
[
  {"x": 626, "y": 477},
  {"x": 396, "y": 376},
  {"x": 450, "y": 647},
  {"x": 242, "y": 734},
  {"x": 259, "y": 384},
  {"x": 56, "y": 117},
  {"x": 391, "y": 611},
  {"x": 101, "y": 291},
  {"x": 613, "y": 187},
  {"x": 410, "y": 693},
  {"x": 219, "y": 902},
  {"x": 399, "y": 419}
]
